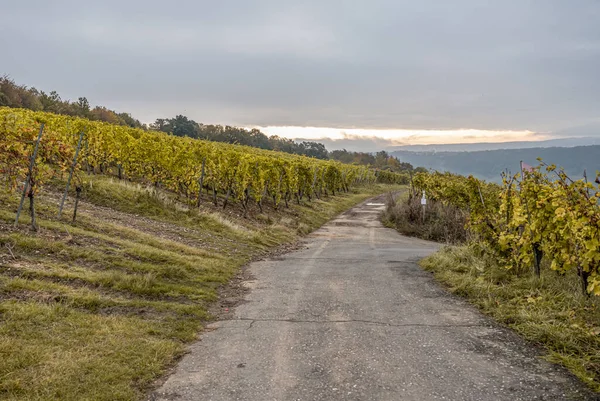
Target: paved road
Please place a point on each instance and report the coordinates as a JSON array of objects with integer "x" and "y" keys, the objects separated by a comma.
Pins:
[{"x": 352, "y": 317}]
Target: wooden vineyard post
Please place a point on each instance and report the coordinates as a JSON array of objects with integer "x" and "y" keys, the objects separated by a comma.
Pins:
[
  {"x": 31, "y": 195},
  {"x": 314, "y": 184},
  {"x": 29, "y": 176},
  {"x": 87, "y": 157},
  {"x": 227, "y": 197},
  {"x": 62, "y": 202},
  {"x": 201, "y": 181},
  {"x": 245, "y": 201},
  {"x": 78, "y": 191},
  {"x": 264, "y": 193}
]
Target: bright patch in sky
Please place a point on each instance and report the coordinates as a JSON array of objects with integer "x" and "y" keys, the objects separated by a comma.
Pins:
[{"x": 405, "y": 137}]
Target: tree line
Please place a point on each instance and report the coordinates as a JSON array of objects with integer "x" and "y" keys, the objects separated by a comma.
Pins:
[
  {"x": 381, "y": 160},
  {"x": 21, "y": 96},
  {"x": 183, "y": 126}
]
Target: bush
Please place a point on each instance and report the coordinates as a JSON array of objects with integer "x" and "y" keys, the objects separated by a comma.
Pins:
[{"x": 442, "y": 222}]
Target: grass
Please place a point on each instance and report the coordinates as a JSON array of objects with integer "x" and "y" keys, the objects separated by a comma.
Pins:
[
  {"x": 549, "y": 311},
  {"x": 68, "y": 354},
  {"x": 100, "y": 308}
]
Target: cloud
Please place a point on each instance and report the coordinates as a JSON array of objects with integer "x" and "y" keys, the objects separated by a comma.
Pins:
[
  {"x": 508, "y": 65},
  {"x": 374, "y": 140}
]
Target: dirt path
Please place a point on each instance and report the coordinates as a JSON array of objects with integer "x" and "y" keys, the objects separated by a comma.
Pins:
[{"x": 352, "y": 317}]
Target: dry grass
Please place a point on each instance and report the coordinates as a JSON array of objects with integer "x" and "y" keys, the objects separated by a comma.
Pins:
[{"x": 222, "y": 220}]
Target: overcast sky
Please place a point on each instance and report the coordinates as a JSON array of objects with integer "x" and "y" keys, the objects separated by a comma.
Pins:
[{"x": 424, "y": 64}]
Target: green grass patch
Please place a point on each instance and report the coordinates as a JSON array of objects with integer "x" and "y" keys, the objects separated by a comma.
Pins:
[
  {"x": 100, "y": 308},
  {"x": 55, "y": 352},
  {"x": 549, "y": 311}
]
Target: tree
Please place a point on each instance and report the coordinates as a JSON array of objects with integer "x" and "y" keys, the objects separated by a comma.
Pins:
[
  {"x": 9, "y": 93},
  {"x": 258, "y": 139},
  {"x": 52, "y": 102},
  {"x": 314, "y": 149},
  {"x": 82, "y": 107},
  {"x": 160, "y": 124},
  {"x": 182, "y": 126},
  {"x": 30, "y": 100},
  {"x": 128, "y": 120},
  {"x": 104, "y": 114},
  {"x": 381, "y": 159}
]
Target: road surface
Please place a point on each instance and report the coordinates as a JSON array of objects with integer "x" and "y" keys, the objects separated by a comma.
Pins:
[{"x": 351, "y": 316}]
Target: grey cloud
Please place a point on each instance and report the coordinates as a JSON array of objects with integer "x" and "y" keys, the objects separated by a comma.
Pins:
[{"x": 377, "y": 64}]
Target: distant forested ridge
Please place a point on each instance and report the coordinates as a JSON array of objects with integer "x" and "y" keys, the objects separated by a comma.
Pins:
[
  {"x": 381, "y": 160},
  {"x": 490, "y": 164}
]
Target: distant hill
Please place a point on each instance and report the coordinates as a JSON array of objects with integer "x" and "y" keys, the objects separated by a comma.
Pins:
[
  {"x": 470, "y": 147},
  {"x": 489, "y": 164}
]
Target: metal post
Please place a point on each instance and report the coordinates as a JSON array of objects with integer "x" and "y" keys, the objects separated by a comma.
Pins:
[
  {"x": 587, "y": 190},
  {"x": 201, "y": 181},
  {"x": 424, "y": 204}
]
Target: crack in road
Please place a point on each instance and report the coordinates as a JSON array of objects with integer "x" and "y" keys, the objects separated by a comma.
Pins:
[
  {"x": 284, "y": 258},
  {"x": 280, "y": 259},
  {"x": 373, "y": 322}
]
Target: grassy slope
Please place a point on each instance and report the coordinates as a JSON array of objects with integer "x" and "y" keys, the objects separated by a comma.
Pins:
[
  {"x": 550, "y": 311},
  {"x": 97, "y": 310}
]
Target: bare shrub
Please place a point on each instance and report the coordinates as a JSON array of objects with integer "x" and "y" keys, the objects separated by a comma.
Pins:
[{"x": 442, "y": 222}]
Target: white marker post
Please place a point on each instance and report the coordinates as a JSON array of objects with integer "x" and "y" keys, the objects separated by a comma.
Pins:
[{"x": 424, "y": 204}]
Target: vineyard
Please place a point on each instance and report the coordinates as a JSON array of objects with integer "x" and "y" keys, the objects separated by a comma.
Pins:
[
  {"x": 101, "y": 308},
  {"x": 537, "y": 215},
  {"x": 37, "y": 146}
]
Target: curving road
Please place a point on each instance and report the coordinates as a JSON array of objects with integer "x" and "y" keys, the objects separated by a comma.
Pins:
[{"x": 352, "y": 317}]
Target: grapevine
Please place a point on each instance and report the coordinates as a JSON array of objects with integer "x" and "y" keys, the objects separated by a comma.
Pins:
[
  {"x": 542, "y": 213},
  {"x": 183, "y": 165}
]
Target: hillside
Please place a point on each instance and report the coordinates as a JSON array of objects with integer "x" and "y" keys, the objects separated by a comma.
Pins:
[
  {"x": 101, "y": 301},
  {"x": 478, "y": 146},
  {"x": 21, "y": 97},
  {"x": 490, "y": 163}
]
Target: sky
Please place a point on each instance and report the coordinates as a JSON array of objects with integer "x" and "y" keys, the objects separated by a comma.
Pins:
[{"x": 384, "y": 71}]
